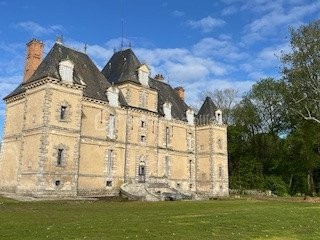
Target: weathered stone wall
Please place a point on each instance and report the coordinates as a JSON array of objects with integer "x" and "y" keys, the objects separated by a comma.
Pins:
[
  {"x": 98, "y": 155},
  {"x": 11, "y": 144},
  {"x": 140, "y": 96},
  {"x": 212, "y": 160}
]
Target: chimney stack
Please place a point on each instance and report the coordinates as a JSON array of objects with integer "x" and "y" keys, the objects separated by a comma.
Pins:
[
  {"x": 180, "y": 92},
  {"x": 159, "y": 77},
  {"x": 33, "y": 58}
]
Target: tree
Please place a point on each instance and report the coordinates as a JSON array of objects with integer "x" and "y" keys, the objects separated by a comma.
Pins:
[
  {"x": 267, "y": 97},
  {"x": 301, "y": 71},
  {"x": 224, "y": 99},
  {"x": 303, "y": 157},
  {"x": 255, "y": 148}
]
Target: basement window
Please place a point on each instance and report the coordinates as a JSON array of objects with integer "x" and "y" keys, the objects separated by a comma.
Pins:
[
  {"x": 57, "y": 183},
  {"x": 109, "y": 184}
]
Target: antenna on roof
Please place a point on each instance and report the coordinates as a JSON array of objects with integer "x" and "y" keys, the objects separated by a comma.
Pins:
[{"x": 122, "y": 25}]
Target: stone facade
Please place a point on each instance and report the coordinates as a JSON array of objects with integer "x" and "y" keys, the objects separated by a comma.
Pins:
[{"x": 59, "y": 141}]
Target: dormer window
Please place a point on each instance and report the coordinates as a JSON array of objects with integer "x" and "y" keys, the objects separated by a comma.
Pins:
[
  {"x": 113, "y": 96},
  {"x": 66, "y": 71},
  {"x": 190, "y": 116},
  {"x": 167, "y": 110},
  {"x": 218, "y": 114},
  {"x": 143, "y": 75}
]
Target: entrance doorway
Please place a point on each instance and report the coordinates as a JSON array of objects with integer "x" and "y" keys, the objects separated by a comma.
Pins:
[{"x": 142, "y": 172}]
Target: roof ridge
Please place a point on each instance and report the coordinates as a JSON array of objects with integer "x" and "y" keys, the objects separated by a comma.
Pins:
[{"x": 71, "y": 48}]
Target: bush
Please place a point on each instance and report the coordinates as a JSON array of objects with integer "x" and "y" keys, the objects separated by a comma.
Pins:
[{"x": 276, "y": 185}]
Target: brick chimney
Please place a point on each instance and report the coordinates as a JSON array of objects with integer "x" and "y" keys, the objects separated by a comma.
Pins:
[
  {"x": 33, "y": 58},
  {"x": 180, "y": 92}
]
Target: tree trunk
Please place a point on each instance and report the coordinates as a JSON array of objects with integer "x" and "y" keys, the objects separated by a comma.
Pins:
[
  {"x": 310, "y": 183},
  {"x": 290, "y": 181}
]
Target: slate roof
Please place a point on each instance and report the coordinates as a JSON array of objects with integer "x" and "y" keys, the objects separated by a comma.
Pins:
[
  {"x": 122, "y": 67},
  {"x": 207, "y": 111},
  {"x": 85, "y": 72},
  {"x": 167, "y": 93}
]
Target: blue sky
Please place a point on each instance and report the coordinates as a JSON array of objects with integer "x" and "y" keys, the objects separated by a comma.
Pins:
[{"x": 202, "y": 45}]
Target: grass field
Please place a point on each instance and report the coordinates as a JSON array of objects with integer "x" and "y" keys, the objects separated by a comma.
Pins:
[{"x": 216, "y": 219}]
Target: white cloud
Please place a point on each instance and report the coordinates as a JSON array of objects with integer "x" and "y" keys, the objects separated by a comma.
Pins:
[
  {"x": 11, "y": 58},
  {"x": 229, "y": 10},
  {"x": 205, "y": 66},
  {"x": 278, "y": 18},
  {"x": 8, "y": 84},
  {"x": 36, "y": 29},
  {"x": 223, "y": 48},
  {"x": 206, "y": 24},
  {"x": 269, "y": 56},
  {"x": 265, "y": 63},
  {"x": 177, "y": 13}
]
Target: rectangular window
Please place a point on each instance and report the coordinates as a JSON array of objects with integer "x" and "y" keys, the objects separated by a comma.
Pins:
[
  {"x": 143, "y": 100},
  {"x": 220, "y": 143},
  {"x": 59, "y": 157},
  {"x": 143, "y": 138},
  {"x": 143, "y": 124},
  {"x": 189, "y": 141},
  {"x": 220, "y": 172},
  {"x": 112, "y": 123},
  {"x": 142, "y": 170},
  {"x": 131, "y": 122},
  {"x": 110, "y": 162},
  {"x": 63, "y": 110},
  {"x": 166, "y": 166},
  {"x": 167, "y": 136}
]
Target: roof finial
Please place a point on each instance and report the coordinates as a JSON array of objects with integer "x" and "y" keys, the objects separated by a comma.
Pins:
[{"x": 59, "y": 40}]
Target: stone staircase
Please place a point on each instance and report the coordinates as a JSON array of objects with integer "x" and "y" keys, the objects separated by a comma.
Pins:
[{"x": 154, "y": 191}]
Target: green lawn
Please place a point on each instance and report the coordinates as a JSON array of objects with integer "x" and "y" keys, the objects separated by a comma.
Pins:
[{"x": 216, "y": 219}]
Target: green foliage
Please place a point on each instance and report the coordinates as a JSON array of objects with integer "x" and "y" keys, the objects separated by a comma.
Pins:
[
  {"x": 301, "y": 72},
  {"x": 224, "y": 219},
  {"x": 276, "y": 185},
  {"x": 275, "y": 139}
]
